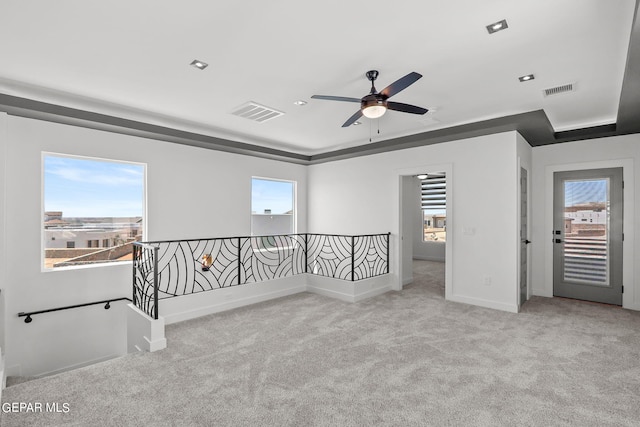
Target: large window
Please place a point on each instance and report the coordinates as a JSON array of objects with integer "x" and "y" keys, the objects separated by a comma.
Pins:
[
  {"x": 433, "y": 196},
  {"x": 272, "y": 207},
  {"x": 93, "y": 209}
]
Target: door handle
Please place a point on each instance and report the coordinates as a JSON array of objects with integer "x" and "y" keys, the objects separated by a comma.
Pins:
[{"x": 526, "y": 241}]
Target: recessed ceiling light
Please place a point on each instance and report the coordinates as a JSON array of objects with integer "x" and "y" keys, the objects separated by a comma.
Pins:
[
  {"x": 497, "y": 26},
  {"x": 526, "y": 78},
  {"x": 300, "y": 102},
  {"x": 199, "y": 64},
  {"x": 422, "y": 176},
  {"x": 356, "y": 123}
]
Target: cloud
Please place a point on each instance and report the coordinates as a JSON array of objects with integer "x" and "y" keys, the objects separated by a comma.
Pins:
[{"x": 94, "y": 172}]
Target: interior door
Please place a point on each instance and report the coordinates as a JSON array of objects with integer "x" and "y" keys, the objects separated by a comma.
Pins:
[
  {"x": 587, "y": 235},
  {"x": 524, "y": 233}
]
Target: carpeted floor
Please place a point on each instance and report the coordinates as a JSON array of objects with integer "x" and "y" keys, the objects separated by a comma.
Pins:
[{"x": 401, "y": 359}]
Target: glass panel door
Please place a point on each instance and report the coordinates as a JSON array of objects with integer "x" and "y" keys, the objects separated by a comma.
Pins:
[{"x": 587, "y": 235}]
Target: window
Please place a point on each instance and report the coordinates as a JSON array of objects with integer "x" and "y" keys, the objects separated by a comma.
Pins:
[
  {"x": 90, "y": 201},
  {"x": 433, "y": 202},
  {"x": 272, "y": 207}
]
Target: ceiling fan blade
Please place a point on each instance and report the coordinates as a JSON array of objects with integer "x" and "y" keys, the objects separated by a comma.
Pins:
[
  {"x": 400, "y": 84},
  {"x": 352, "y": 119},
  {"x": 336, "y": 98},
  {"x": 405, "y": 108}
]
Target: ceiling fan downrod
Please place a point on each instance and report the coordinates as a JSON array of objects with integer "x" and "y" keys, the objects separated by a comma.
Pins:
[{"x": 372, "y": 75}]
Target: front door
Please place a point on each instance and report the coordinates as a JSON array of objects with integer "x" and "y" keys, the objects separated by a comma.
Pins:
[{"x": 587, "y": 235}]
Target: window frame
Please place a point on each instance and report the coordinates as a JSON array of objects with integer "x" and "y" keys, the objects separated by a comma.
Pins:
[
  {"x": 294, "y": 201},
  {"x": 43, "y": 240}
]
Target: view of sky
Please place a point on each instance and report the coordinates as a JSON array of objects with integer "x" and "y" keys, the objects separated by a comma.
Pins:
[
  {"x": 93, "y": 188},
  {"x": 585, "y": 191},
  {"x": 274, "y": 195}
]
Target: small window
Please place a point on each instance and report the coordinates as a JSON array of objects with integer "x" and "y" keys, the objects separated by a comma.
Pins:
[
  {"x": 433, "y": 201},
  {"x": 272, "y": 207},
  {"x": 87, "y": 202}
]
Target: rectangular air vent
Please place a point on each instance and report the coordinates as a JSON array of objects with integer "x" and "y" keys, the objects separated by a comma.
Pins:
[
  {"x": 559, "y": 89},
  {"x": 256, "y": 112}
]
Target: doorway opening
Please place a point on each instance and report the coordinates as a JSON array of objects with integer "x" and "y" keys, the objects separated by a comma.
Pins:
[{"x": 425, "y": 249}]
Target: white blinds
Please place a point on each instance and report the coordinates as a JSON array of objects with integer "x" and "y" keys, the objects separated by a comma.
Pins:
[{"x": 434, "y": 192}]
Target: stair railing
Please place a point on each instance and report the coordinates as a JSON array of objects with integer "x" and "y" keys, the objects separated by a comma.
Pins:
[{"x": 171, "y": 268}]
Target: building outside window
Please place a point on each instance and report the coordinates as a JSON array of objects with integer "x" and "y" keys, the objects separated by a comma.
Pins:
[
  {"x": 86, "y": 202},
  {"x": 433, "y": 201},
  {"x": 272, "y": 207}
]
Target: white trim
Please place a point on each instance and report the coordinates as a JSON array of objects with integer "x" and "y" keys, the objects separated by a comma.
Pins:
[
  {"x": 145, "y": 221},
  {"x": 630, "y": 297},
  {"x": 396, "y": 258},
  {"x": 512, "y": 308},
  {"x": 294, "y": 201},
  {"x": 519, "y": 227}
]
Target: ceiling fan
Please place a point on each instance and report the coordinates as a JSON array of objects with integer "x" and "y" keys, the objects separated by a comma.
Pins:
[{"x": 375, "y": 104}]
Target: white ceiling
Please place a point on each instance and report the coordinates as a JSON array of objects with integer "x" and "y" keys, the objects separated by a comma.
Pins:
[{"x": 131, "y": 59}]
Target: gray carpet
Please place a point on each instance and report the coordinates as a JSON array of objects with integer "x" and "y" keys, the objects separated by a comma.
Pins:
[{"x": 402, "y": 359}]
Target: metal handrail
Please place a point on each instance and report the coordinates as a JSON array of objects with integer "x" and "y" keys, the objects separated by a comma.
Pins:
[
  {"x": 150, "y": 243},
  {"x": 107, "y": 306}
]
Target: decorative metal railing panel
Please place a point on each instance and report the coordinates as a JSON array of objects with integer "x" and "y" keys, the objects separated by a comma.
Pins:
[
  {"x": 330, "y": 255},
  {"x": 145, "y": 278},
  {"x": 371, "y": 256},
  {"x": 165, "y": 269},
  {"x": 180, "y": 266},
  {"x": 272, "y": 257}
]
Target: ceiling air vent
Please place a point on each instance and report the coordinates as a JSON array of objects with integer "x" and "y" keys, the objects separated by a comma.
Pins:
[
  {"x": 256, "y": 112},
  {"x": 559, "y": 89}
]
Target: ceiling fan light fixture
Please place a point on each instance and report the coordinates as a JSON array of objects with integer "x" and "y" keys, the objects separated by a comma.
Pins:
[
  {"x": 374, "y": 111},
  {"x": 373, "y": 107}
]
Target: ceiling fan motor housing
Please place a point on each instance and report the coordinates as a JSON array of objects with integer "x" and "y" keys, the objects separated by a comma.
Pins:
[{"x": 373, "y": 100}]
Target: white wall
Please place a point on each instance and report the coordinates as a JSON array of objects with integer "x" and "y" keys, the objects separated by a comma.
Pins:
[
  {"x": 3, "y": 312},
  {"x": 191, "y": 193},
  {"x": 361, "y": 195},
  {"x": 621, "y": 151}
]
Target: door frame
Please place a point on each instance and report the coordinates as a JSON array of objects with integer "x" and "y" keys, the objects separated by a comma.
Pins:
[
  {"x": 628, "y": 296},
  {"x": 447, "y": 168},
  {"x": 611, "y": 291},
  {"x": 526, "y": 168}
]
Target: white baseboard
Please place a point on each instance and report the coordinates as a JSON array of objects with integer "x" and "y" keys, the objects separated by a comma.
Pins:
[
  {"x": 79, "y": 365},
  {"x": 220, "y": 300},
  {"x": 331, "y": 293},
  {"x": 511, "y": 308},
  {"x": 428, "y": 258},
  {"x": 372, "y": 293}
]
